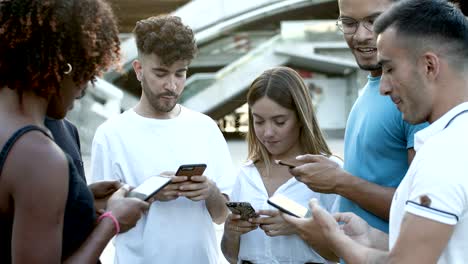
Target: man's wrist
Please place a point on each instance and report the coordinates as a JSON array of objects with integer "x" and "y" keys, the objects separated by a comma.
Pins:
[
  {"x": 344, "y": 182},
  {"x": 214, "y": 192}
]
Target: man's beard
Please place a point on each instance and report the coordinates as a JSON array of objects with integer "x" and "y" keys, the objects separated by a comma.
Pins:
[
  {"x": 370, "y": 67},
  {"x": 156, "y": 102}
]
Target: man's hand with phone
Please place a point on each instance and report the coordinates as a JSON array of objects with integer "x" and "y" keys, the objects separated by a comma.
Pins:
[
  {"x": 320, "y": 173},
  {"x": 171, "y": 191},
  {"x": 199, "y": 188},
  {"x": 188, "y": 181}
]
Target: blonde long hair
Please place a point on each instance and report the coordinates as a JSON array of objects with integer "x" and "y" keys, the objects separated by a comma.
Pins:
[{"x": 284, "y": 86}]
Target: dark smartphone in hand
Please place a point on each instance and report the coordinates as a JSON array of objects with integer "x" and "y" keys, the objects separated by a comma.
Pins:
[
  {"x": 289, "y": 163},
  {"x": 244, "y": 209},
  {"x": 190, "y": 170}
]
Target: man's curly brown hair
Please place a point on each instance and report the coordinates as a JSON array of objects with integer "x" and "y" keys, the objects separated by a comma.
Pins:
[
  {"x": 166, "y": 37},
  {"x": 39, "y": 38}
]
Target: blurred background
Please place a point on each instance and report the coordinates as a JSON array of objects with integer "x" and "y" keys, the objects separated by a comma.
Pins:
[{"x": 237, "y": 41}]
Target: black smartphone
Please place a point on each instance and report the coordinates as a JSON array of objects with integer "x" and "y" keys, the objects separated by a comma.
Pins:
[
  {"x": 149, "y": 187},
  {"x": 190, "y": 170},
  {"x": 244, "y": 209},
  {"x": 289, "y": 163},
  {"x": 288, "y": 206}
]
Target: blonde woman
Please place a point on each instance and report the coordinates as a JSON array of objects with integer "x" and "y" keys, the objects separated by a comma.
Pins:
[{"x": 282, "y": 125}]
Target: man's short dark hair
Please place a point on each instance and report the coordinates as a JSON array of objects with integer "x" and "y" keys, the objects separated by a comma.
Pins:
[
  {"x": 167, "y": 37},
  {"x": 435, "y": 23}
]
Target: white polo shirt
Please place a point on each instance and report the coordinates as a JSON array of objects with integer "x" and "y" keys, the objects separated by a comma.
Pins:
[
  {"x": 440, "y": 172},
  {"x": 256, "y": 246}
]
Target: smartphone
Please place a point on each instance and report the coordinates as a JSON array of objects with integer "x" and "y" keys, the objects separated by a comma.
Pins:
[
  {"x": 149, "y": 187},
  {"x": 244, "y": 209},
  {"x": 289, "y": 163},
  {"x": 286, "y": 205},
  {"x": 190, "y": 170}
]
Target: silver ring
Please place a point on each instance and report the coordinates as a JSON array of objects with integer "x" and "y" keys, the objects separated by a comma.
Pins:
[{"x": 69, "y": 70}]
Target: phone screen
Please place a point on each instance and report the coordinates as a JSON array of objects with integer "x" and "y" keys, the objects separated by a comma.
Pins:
[
  {"x": 149, "y": 187},
  {"x": 288, "y": 206}
]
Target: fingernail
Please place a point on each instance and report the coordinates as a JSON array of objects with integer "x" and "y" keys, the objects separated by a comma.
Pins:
[{"x": 300, "y": 157}]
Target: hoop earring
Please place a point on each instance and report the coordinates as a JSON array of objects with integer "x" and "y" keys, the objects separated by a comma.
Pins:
[{"x": 69, "y": 70}]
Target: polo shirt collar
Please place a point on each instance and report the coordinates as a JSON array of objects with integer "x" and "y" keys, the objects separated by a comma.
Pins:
[{"x": 435, "y": 128}]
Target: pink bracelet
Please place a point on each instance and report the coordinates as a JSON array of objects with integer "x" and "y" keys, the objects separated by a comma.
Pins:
[{"x": 112, "y": 217}]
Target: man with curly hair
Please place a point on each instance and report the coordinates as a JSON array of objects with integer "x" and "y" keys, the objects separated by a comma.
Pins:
[{"x": 156, "y": 137}]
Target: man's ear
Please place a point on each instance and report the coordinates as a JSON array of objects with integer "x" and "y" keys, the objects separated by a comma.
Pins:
[
  {"x": 137, "y": 67},
  {"x": 432, "y": 64}
]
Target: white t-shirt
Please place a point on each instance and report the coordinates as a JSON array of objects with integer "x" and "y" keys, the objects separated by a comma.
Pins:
[
  {"x": 255, "y": 245},
  {"x": 440, "y": 172},
  {"x": 131, "y": 148}
]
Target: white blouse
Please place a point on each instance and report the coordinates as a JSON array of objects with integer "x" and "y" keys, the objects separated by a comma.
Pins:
[{"x": 256, "y": 246}]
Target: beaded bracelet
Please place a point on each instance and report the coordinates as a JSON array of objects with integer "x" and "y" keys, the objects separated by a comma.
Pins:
[{"x": 112, "y": 217}]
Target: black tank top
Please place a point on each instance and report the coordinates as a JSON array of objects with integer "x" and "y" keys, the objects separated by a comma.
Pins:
[{"x": 79, "y": 215}]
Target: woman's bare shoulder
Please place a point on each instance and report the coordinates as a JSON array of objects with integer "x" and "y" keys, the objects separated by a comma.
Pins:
[{"x": 35, "y": 159}]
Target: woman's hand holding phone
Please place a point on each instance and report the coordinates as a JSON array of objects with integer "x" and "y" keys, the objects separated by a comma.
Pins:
[
  {"x": 126, "y": 210},
  {"x": 273, "y": 224},
  {"x": 102, "y": 191},
  {"x": 235, "y": 225}
]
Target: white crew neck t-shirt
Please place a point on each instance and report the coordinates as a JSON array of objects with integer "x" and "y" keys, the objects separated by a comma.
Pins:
[{"x": 131, "y": 148}]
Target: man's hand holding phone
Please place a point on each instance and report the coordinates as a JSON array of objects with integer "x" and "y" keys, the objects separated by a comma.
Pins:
[
  {"x": 171, "y": 191},
  {"x": 187, "y": 181},
  {"x": 199, "y": 188}
]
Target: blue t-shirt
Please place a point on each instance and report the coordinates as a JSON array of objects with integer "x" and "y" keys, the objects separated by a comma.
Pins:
[{"x": 376, "y": 145}]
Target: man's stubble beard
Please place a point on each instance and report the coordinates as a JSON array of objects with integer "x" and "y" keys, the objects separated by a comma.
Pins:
[{"x": 155, "y": 99}]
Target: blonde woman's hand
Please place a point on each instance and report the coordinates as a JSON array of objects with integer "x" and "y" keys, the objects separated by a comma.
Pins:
[{"x": 236, "y": 226}]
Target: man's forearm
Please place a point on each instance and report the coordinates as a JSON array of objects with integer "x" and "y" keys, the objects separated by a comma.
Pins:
[
  {"x": 216, "y": 205},
  {"x": 372, "y": 197},
  {"x": 323, "y": 250},
  {"x": 313, "y": 236},
  {"x": 378, "y": 239},
  {"x": 354, "y": 253}
]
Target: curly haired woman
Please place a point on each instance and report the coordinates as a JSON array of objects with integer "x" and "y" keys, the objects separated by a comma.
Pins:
[{"x": 49, "y": 51}]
